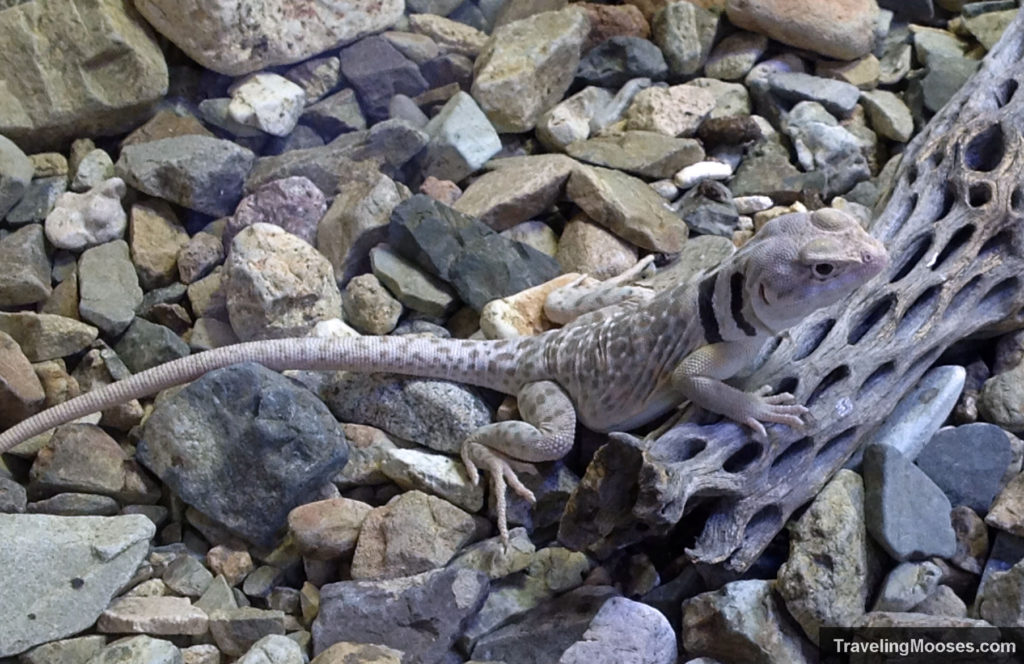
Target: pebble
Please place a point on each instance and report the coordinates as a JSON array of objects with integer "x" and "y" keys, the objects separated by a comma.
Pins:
[
  {"x": 908, "y": 585},
  {"x": 334, "y": 115},
  {"x": 516, "y": 190},
  {"x": 156, "y": 238},
  {"x": 587, "y": 248},
  {"x": 733, "y": 56},
  {"x": 842, "y": 29},
  {"x": 685, "y": 32},
  {"x": 968, "y": 463},
  {"x": 369, "y": 307},
  {"x": 21, "y": 392},
  {"x": 199, "y": 256},
  {"x": 277, "y": 285},
  {"x": 700, "y": 171},
  {"x": 39, "y": 199},
  {"x": 435, "y": 474},
  {"x": 451, "y": 36},
  {"x": 619, "y": 59},
  {"x": 644, "y": 153},
  {"x": 837, "y": 97},
  {"x": 235, "y": 631},
  {"x": 15, "y": 174},
  {"x": 327, "y": 529},
  {"x": 569, "y": 121},
  {"x": 863, "y": 72},
  {"x": 108, "y": 287},
  {"x": 79, "y": 221},
  {"x": 673, "y": 111},
  {"x": 292, "y": 203},
  {"x": 94, "y": 168},
  {"x": 411, "y": 286},
  {"x": 461, "y": 140},
  {"x": 317, "y": 77},
  {"x": 418, "y": 48},
  {"x": 377, "y": 70},
  {"x": 607, "y": 21},
  {"x": 25, "y": 277}
]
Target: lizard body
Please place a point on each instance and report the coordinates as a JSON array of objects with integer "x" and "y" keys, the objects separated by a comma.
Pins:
[{"x": 613, "y": 368}]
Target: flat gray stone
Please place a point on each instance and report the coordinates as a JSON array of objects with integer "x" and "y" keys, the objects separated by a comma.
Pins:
[
  {"x": 15, "y": 174},
  {"x": 838, "y": 97},
  {"x": 24, "y": 267},
  {"x": 462, "y": 139},
  {"x": 59, "y": 573},
  {"x": 968, "y": 463},
  {"x": 108, "y": 287}
]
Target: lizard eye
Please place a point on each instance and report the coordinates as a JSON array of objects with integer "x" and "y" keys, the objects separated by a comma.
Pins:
[{"x": 823, "y": 269}]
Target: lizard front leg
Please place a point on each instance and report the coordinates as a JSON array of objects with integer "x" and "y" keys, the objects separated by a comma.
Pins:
[
  {"x": 699, "y": 378},
  {"x": 586, "y": 295},
  {"x": 545, "y": 434}
]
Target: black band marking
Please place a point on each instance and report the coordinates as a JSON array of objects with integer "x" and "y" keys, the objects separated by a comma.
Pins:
[
  {"x": 705, "y": 303},
  {"x": 736, "y": 305}
]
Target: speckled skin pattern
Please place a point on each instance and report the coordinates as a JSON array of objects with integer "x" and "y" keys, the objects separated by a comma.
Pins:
[{"x": 617, "y": 367}]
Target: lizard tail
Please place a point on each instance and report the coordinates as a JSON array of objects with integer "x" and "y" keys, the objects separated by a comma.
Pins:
[{"x": 471, "y": 362}]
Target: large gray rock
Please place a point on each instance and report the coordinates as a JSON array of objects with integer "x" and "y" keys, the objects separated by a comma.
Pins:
[
  {"x": 57, "y": 574},
  {"x": 240, "y": 36},
  {"x": 244, "y": 446},
  {"x": 73, "y": 68},
  {"x": 15, "y": 174},
  {"x": 24, "y": 267}
]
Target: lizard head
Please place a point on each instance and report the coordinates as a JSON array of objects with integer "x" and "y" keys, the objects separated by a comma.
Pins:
[{"x": 799, "y": 263}]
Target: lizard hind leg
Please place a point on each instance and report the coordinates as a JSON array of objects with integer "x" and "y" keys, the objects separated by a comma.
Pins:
[{"x": 505, "y": 448}]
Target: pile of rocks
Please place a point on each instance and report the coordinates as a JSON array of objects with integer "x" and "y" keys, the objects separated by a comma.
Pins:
[{"x": 185, "y": 175}]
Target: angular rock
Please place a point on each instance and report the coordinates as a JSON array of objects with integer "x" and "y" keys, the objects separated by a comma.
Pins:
[
  {"x": 79, "y": 458},
  {"x": 109, "y": 288},
  {"x": 21, "y": 392},
  {"x": 644, "y": 153},
  {"x": 436, "y": 474},
  {"x": 619, "y": 59},
  {"x": 156, "y": 238},
  {"x": 66, "y": 651},
  {"x": 461, "y": 140},
  {"x": 110, "y": 69},
  {"x": 276, "y": 648},
  {"x": 277, "y": 285},
  {"x": 38, "y": 201},
  {"x": 842, "y": 29},
  {"x": 908, "y": 585},
  {"x": 625, "y": 631},
  {"x": 345, "y": 651},
  {"x": 324, "y": 166},
  {"x": 139, "y": 649},
  {"x": 15, "y": 174},
  {"x": 517, "y": 189},
  {"x": 192, "y": 442},
  {"x": 236, "y": 630},
  {"x": 587, "y": 248},
  {"x": 733, "y": 56},
  {"x": 569, "y": 120},
  {"x": 420, "y": 615},
  {"x": 46, "y": 336},
  {"x": 377, "y": 71},
  {"x": 95, "y": 167},
  {"x": 268, "y": 102},
  {"x": 327, "y": 529},
  {"x": 968, "y": 463},
  {"x": 197, "y": 172},
  {"x": 455, "y": 37},
  {"x": 335, "y": 115},
  {"x": 24, "y": 267},
  {"x": 527, "y": 66},
  {"x": 236, "y": 37},
  {"x": 369, "y": 307},
  {"x": 293, "y": 203},
  {"x": 628, "y": 207},
  {"x": 145, "y": 345},
  {"x": 906, "y": 513},
  {"x": 410, "y": 284},
  {"x": 673, "y": 111},
  {"x": 838, "y": 97},
  {"x": 165, "y": 616},
  {"x": 889, "y": 116},
  {"x": 685, "y": 32},
  {"x": 49, "y": 597}
]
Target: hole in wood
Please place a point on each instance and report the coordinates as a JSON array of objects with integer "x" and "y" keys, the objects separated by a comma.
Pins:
[
  {"x": 794, "y": 456},
  {"x": 923, "y": 361},
  {"x": 834, "y": 378},
  {"x": 878, "y": 378},
  {"x": 1000, "y": 243},
  {"x": 767, "y": 519},
  {"x": 964, "y": 296},
  {"x": 813, "y": 338},
  {"x": 959, "y": 239},
  {"x": 1017, "y": 200},
  {"x": 743, "y": 458},
  {"x": 690, "y": 448},
  {"x": 979, "y": 194},
  {"x": 1005, "y": 91},
  {"x": 913, "y": 255},
  {"x": 1000, "y": 298},
  {"x": 918, "y": 312},
  {"x": 870, "y": 319},
  {"x": 836, "y": 449},
  {"x": 788, "y": 384},
  {"x": 948, "y": 200},
  {"x": 985, "y": 151}
]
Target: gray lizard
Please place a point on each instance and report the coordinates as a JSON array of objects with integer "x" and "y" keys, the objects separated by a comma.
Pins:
[{"x": 614, "y": 368}]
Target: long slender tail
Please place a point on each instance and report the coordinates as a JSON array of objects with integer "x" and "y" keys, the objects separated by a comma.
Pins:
[{"x": 471, "y": 362}]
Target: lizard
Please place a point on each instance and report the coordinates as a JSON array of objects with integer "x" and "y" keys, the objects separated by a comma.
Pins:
[{"x": 615, "y": 367}]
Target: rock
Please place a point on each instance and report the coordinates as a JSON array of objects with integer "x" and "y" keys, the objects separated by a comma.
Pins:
[
  {"x": 433, "y": 413},
  {"x": 57, "y": 595},
  {"x": 517, "y": 189},
  {"x": 685, "y": 32},
  {"x": 673, "y": 111},
  {"x": 317, "y": 77},
  {"x": 46, "y": 336},
  {"x": 292, "y": 203},
  {"x": 94, "y": 168},
  {"x": 587, "y": 248},
  {"x": 25, "y": 271},
  {"x": 527, "y": 66},
  {"x": 452, "y": 36},
  {"x": 987, "y": 28},
  {"x": 275, "y": 648},
  {"x": 420, "y": 615},
  {"x": 327, "y": 529},
  {"x": 38, "y": 201},
  {"x": 967, "y": 463},
  {"x": 199, "y": 256},
  {"x": 908, "y": 585},
  {"x": 335, "y": 115},
  {"x": 187, "y": 576},
  {"x": 708, "y": 209},
  {"x": 268, "y": 102},
  {"x": 109, "y": 288},
  {"x": 919, "y": 414},
  {"x": 569, "y": 121},
  {"x": 612, "y": 112},
  {"x": 838, "y": 97},
  {"x": 946, "y": 75},
  {"x": 15, "y": 174},
  {"x": 79, "y": 458},
  {"x": 66, "y": 651},
  {"x": 864, "y": 72},
  {"x": 742, "y": 621},
  {"x": 643, "y": 153},
  {"x": 971, "y": 540},
  {"x": 323, "y": 166},
  {"x": 292, "y": 439},
  {"x": 357, "y": 220},
  {"x": 111, "y": 72},
  {"x": 369, "y": 307},
  {"x": 413, "y": 533},
  {"x": 825, "y": 147},
  {"x": 1007, "y": 511},
  {"x": 277, "y": 285},
  {"x": 21, "y": 392},
  {"x": 139, "y": 649},
  {"x": 165, "y": 616},
  {"x": 627, "y": 207},
  {"x": 145, "y": 345},
  {"x": 624, "y": 630},
  {"x": 906, "y": 513},
  {"x": 197, "y": 172},
  {"x": 411, "y": 286},
  {"x": 889, "y": 116},
  {"x": 236, "y": 630},
  {"x": 843, "y": 29},
  {"x": 825, "y": 581},
  {"x": 943, "y": 602},
  {"x": 345, "y": 651},
  {"x": 731, "y": 101},
  {"x": 156, "y": 238},
  {"x": 733, "y": 56},
  {"x": 235, "y": 37},
  {"x": 1000, "y": 601},
  {"x": 619, "y": 59},
  {"x": 699, "y": 171},
  {"x": 536, "y": 234},
  {"x": 461, "y": 140},
  {"x": 377, "y": 71},
  {"x": 436, "y": 474}
]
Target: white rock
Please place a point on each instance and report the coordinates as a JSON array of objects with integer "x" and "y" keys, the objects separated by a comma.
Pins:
[
  {"x": 462, "y": 139},
  {"x": 702, "y": 170},
  {"x": 569, "y": 121},
  {"x": 79, "y": 221},
  {"x": 268, "y": 102},
  {"x": 752, "y": 204}
]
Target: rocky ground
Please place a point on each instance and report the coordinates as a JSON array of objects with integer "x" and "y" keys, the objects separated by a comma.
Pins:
[{"x": 179, "y": 175}]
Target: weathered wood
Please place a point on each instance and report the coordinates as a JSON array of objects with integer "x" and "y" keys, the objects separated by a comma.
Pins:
[{"x": 953, "y": 226}]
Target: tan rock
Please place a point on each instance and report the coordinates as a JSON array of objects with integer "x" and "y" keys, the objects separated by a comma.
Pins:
[
  {"x": 327, "y": 529},
  {"x": 155, "y": 237},
  {"x": 517, "y": 189},
  {"x": 153, "y": 615},
  {"x": 842, "y": 29},
  {"x": 21, "y": 393}
]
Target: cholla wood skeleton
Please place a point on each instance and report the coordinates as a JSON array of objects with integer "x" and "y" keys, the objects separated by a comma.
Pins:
[{"x": 953, "y": 223}]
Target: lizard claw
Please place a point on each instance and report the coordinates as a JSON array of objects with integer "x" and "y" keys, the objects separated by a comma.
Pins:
[{"x": 775, "y": 408}]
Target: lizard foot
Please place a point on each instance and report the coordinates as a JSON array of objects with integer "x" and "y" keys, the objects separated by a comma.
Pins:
[
  {"x": 503, "y": 475},
  {"x": 776, "y": 408}
]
